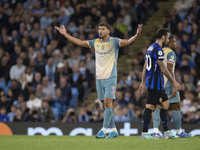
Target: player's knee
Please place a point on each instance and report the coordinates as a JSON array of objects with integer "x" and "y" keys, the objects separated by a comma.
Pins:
[
  {"x": 175, "y": 106},
  {"x": 150, "y": 106},
  {"x": 107, "y": 104},
  {"x": 165, "y": 105},
  {"x": 158, "y": 107}
]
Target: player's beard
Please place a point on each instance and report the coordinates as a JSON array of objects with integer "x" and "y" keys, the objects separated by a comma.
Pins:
[
  {"x": 164, "y": 43},
  {"x": 101, "y": 37}
]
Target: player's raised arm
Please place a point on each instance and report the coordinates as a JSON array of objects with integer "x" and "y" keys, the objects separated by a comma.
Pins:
[
  {"x": 71, "y": 38},
  {"x": 168, "y": 75},
  {"x": 125, "y": 42}
]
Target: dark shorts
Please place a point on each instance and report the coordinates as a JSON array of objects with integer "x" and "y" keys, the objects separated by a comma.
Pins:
[{"x": 156, "y": 97}]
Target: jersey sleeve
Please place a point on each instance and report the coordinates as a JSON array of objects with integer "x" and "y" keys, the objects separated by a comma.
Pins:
[
  {"x": 160, "y": 54},
  {"x": 91, "y": 43},
  {"x": 171, "y": 57},
  {"x": 116, "y": 41}
]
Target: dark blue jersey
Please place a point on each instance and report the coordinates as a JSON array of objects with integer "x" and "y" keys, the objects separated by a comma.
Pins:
[{"x": 154, "y": 76}]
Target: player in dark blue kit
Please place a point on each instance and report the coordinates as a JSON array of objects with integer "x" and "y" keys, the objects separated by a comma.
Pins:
[{"x": 153, "y": 71}]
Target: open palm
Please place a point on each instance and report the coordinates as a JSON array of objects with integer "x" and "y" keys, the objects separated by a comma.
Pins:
[
  {"x": 61, "y": 30},
  {"x": 139, "y": 29}
]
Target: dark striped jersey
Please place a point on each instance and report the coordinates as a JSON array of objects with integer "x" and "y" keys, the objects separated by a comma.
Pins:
[{"x": 154, "y": 76}]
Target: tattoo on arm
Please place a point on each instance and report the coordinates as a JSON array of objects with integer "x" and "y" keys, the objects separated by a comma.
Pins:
[
  {"x": 170, "y": 69},
  {"x": 165, "y": 71}
]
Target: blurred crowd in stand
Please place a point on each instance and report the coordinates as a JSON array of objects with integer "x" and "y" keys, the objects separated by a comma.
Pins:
[{"x": 45, "y": 78}]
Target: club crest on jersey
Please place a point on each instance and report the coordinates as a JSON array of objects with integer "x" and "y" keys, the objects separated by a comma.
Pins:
[
  {"x": 108, "y": 46},
  {"x": 172, "y": 59},
  {"x": 160, "y": 53},
  {"x": 160, "y": 100}
]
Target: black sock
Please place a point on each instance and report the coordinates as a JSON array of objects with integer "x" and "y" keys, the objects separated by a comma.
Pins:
[
  {"x": 146, "y": 119},
  {"x": 164, "y": 119}
]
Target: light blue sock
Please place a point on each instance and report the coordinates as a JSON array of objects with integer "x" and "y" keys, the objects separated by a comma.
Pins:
[
  {"x": 176, "y": 115},
  {"x": 108, "y": 113},
  {"x": 156, "y": 118},
  {"x": 112, "y": 123}
]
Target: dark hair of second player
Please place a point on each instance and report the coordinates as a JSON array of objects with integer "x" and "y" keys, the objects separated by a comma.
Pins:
[{"x": 160, "y": 32}]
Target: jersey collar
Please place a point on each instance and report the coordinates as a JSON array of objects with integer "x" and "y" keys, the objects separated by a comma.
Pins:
[
  {"x": 108, "y": 40},
  {"x": 168, "y": 48}
]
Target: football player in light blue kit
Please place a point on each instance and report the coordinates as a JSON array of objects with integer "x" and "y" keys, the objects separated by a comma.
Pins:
[
  {"x": 174, "y": 100},
  {"x": 106, "y": 54}
]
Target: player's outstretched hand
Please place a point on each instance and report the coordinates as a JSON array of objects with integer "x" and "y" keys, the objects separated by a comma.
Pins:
[
  {"x": 61, "y": 30},
  {"x": 139, "y": 29},
  {"x": 142, "y": 88}
]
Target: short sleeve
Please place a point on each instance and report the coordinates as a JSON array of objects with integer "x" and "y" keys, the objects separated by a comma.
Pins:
[
  {"x": 160, "y": 54},
  {"x": 91, "y": 43},
  {"x": 116, "y": 41},
  {"x": 171, "y": 57}
]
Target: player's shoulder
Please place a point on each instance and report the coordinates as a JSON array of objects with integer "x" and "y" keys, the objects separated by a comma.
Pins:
[
  {"x": 168, "y": 50},
  {"x": 156, "y": 46},
  {"x": 114, "y": 38},
  {"x": 97, "y": 40},
  {"x": 151, "y": 47}
]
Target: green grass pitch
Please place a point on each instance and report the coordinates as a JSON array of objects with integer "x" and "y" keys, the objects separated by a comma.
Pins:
[{"x": 20, "y": 142}]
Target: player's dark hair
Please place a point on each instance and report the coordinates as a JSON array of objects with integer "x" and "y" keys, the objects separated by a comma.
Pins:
[
  {"x": 171, "y": 39},
  {"x": 160, "y": 32},
  {"x": 105, "y": 25}
]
